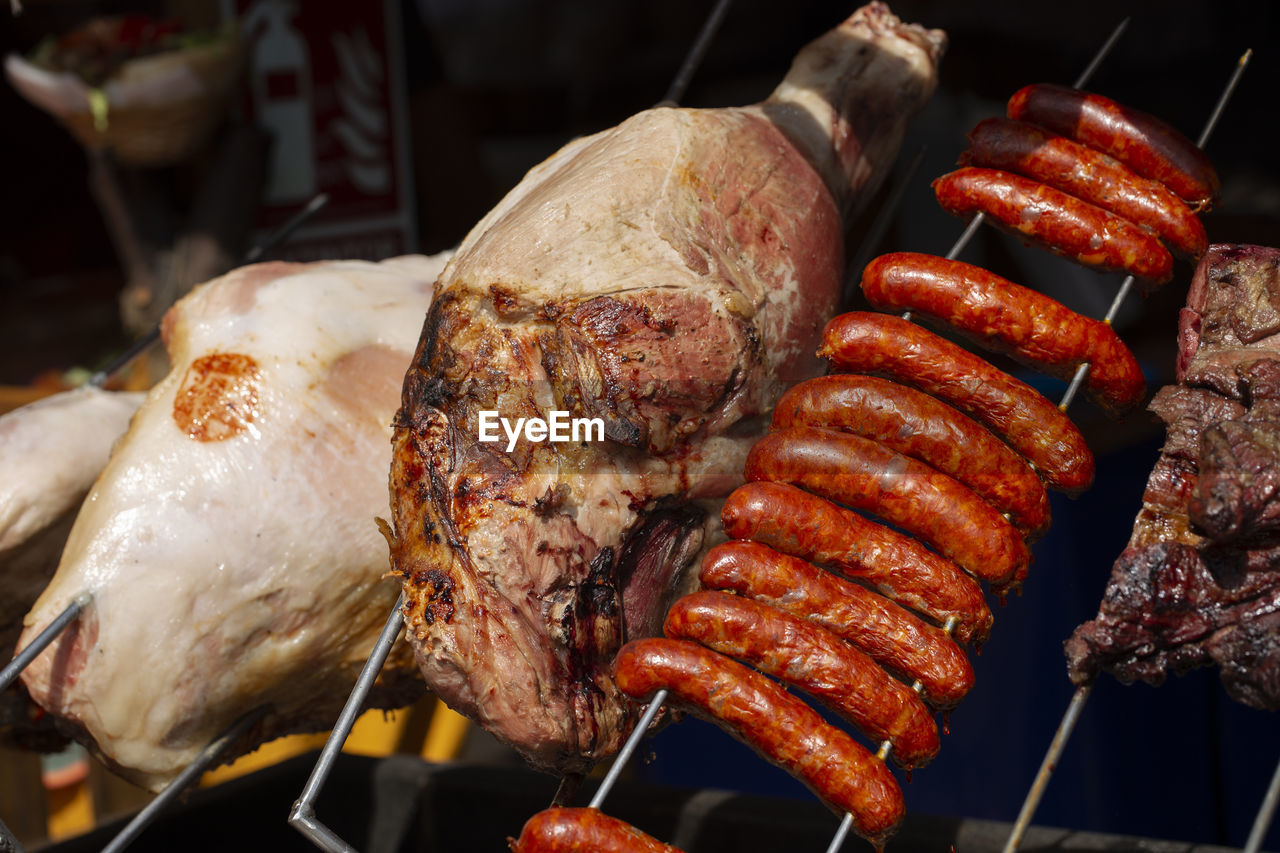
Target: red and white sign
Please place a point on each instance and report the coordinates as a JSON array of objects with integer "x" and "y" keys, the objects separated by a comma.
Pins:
[{"x": 327, "y": 81}]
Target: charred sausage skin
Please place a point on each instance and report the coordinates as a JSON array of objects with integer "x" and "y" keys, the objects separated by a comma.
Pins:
[
  {"x": 778, "y": 725},
  {"x": 808, "y": 656},
  {"x": 1049, "y": 218},
  {"x": 795, "y": 522},
  {"x": 1090, "y": 175},
  {"x": 866, "y": 475},
  {"x": 1008, "y": 318},
  {"x": 889, "y": 634},
  {"x": 866, "y": 342},
  {"x": 1146, "y": 144},
  {"x": 913, "y": 423}
]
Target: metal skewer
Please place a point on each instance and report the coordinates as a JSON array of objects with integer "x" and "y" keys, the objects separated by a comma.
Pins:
[
  {"x": 42, "y": 640},
  {"x": 886, "y": 747},
  {"x": 679, "y": 85},
  {"x": 206, "y": 759},
  {"x": 273, "y": 239},
  {"x": 1265, "y": 812},
  {"x": 1078, "y": 699},
  {"x": 302, "y": 816}
]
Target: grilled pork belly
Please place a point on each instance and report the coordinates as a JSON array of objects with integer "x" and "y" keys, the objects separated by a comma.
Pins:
[
  {"x": 665, "y": 279},
  {"x": 231, "y": 544}
]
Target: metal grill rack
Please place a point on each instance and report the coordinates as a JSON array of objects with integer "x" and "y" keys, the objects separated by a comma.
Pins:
[{"x": 303, "y": 816}]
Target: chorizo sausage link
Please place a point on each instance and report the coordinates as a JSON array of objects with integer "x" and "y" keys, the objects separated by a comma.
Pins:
[
  {"x": 866, "y": 342},
  {"x": 1141, "y": 141},
  {"x": 913, "y": 423},
  {"x": 780, "y": 726},
  {"x": 865, "y": 475},
  {"x": 1009, "y": 318},
  {"x": 577, "y": 830},
  {"x": 889, "y": 634},
  {"x": 1042, "y": 216},
  {"x": 1089, "y": 175},
  {"x": 795, "y": 522},
  {"x": 807, "y": 655}
]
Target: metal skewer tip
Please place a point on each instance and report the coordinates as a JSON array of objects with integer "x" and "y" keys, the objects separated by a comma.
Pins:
[
  {"x": 1092, "y": 67},
  {"x": 42, "y": 640},
  {"x": 680, "y": 85},
  {"x": 1266, "y": 810},
  {"x": 1230, "y": 89},
  {"x": 99, "y": 379},
  {"x": 624, "y": 754}
]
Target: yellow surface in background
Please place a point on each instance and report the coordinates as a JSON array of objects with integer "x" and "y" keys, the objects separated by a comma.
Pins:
[
  {"x": 375, "y": 733},
  {"x": 70, "y": 811},
  {"x": 445, "y": 734}
]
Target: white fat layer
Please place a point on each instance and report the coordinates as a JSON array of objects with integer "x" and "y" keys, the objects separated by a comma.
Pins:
[
  {"x": 229, "y": 574},
  {"x": 51, "y": 451}
]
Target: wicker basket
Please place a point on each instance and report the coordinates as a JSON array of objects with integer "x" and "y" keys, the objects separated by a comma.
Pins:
[{"x": 160, "y": 109}]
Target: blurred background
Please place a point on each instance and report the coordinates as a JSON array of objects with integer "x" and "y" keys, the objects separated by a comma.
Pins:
[{"x": 422, "y": 114}]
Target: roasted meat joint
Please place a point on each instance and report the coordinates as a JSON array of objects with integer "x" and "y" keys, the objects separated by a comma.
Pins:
[
  {"x": 274, "y": 420},
  {"x": 668, "y": 276}
]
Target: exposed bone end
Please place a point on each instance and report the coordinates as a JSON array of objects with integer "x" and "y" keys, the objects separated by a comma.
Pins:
[{"x": 846, "y": 86}]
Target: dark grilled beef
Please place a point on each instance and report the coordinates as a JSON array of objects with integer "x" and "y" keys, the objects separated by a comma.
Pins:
[{"x": 1199, "y": 582}]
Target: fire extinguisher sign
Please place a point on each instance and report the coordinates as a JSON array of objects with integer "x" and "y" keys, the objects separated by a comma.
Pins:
[{"x": 326, "y": 80}]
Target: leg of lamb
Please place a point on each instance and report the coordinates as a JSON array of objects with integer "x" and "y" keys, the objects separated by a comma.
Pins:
[
  {"x": 666, "y": 279},
  {"x": 231, "y": 544}
]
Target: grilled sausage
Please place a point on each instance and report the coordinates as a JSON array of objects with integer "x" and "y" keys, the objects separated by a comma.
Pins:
[
  {"x": 806, "y": 655},
  {"x": 864, "y": 342},
  {"x": 917, "y": 425},
  {"x": 1008, "y": 318},
  {"x": 1042, "y": 216},
  {"x": 1088, "y": 174},
  {"x": 780, "y": 726},
  {"x": 865, "y": 475},
  {"x": 890, "y": 635},
  {"x": 583, "y": 830},
  {"x": 795, "y": 522},
  {"x": 1141, "y": 141}
]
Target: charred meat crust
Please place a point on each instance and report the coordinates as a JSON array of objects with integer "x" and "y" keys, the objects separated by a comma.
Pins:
[{"x": 1199, "y": 583}]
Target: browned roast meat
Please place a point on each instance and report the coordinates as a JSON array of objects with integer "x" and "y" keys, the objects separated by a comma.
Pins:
[
  {"x": 667, "y": 276},
  {"x": 1199, "y": 582}
]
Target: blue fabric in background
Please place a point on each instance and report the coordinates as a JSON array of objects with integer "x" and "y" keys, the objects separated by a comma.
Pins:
[{"x": 1181, "y": 762}]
